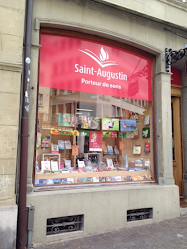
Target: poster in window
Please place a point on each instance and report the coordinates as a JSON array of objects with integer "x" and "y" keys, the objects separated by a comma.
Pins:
[
  {"x": 109, "y": 124},
  {"x": 64, "y": 119},
  {"x": 95, "y": 141},
  {"x": 88, "y": 122},
  {"x": 127, "y": 125}
]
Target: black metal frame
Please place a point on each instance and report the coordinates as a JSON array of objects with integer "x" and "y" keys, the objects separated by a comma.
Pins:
[{"x": 172, "y": 56}]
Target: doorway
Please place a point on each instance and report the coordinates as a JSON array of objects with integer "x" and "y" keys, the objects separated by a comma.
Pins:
[{"x": 177, "y": 142}]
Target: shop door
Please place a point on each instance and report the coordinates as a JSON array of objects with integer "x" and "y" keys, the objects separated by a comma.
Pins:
[{"x": 177, "y": 142}]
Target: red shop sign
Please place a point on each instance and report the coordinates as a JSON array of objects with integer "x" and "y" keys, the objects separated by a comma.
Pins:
[{"x": 85, "y": 66}]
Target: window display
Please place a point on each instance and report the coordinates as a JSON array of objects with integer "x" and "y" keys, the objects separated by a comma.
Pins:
[
  {"x": 94, "y": 119},
  {"x": 85, "y": 139}
]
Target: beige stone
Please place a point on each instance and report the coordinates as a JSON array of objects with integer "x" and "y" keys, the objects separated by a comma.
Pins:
[
  {"x": 9, "y": 112},
  {"x": 7, "y": 167},
  {"x": 14, "y": 4},
  {"x": 11, "y": 47},
  {"x": 11, "y": 21},
  {"x": 7, "y": 187},
  {"x": 8, "y": 141},
  {"x": 10, "y": 81}
]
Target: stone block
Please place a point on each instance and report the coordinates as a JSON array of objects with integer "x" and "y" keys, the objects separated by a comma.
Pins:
[
  {"x": 8, "y": 142},
  {"x": 11, "y": 21},
  {"x": 17, "y": 5},
  {"x": 10, "y": 81},
  {"x": 7, "y": 167},
  {"x": 9, "y": 111},
  {"x": 8, "y": 226}
]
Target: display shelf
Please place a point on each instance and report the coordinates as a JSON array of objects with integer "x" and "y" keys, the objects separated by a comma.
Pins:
[
  {"x": 90, "y": 174},
  {"x": 49, "y": 155}
]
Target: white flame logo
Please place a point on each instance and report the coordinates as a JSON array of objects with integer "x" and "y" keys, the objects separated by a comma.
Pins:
[
  {"x": 104, "y": 55},
  {"x": 103, "y": 60}
]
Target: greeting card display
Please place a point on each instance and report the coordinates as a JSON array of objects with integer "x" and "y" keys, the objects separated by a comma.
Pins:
[
  {"x": 147, "y": 120},
  {"x": 45, "y": 143},
  {"x": 147, "y": 147},
  {"x": 54, "y": 148},
  {"x": 54, "y": 166},
  {"x": 110, "y": 124},
  {"x": 127, "y": 125},
  {"x": 110, "y": 149},
  {"x": 116, "y": 151},
  {"x": 136, "y": 149},
  {"x": 67, "y": 145},
  {"x": 110, "y": 163},
  {"x": 133, "y": 134},
  {"x": 81, "y": 164},
  {"x": 88, "y": 122},
  {"x": 146, "y": 132},
  {"x": 45, "y": 166},
  {"x": 61, "y": 145}
]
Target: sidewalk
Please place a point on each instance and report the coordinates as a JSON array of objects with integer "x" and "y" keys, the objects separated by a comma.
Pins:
[{"x": 162, "y": 235}]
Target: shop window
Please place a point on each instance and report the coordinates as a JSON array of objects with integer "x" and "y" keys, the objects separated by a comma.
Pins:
[
  {"x": 90, "y": 139},
  {"x": 95, "y": 124}
]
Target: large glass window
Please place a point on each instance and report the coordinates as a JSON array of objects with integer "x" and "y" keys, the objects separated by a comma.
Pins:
[
  {"x": 91, "y": 138},
  {"x": 94, "y": 121}
]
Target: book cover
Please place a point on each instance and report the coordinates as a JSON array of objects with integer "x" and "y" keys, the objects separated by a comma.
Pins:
[
  {"x": 110, "y": 149},
  {"x": 70, "y": 180},
  {"x": 113, "y": 179},
  {"x": 63, "y": 180},
  {"x": 54, "y": 165},
  {"x": 61, "y": 145},
  {"x": 83, "y": 179},
  {"x": 45, "y": 166},
  {"x": 61, "y": 166},
  {"x": 50, "y": 182},
  {"x": 77, "y": 180},
  {"x": 43, "y": 182},
  {"x": 54, "y": 148},
  {"x": 67, "y": 163},
  {"x": 116, "y": 151},
  {"x": 118, "y": 178},
  {"x": 81, "y": 164},
  {"x": 36, "y": 182},
  {"x": 110, "y": 163},
  {"x": 102, "y": 179},
  {"x": 57, "y": 181},
  {"x": 67, "y": 144},
  {"x": 89, "y": 179},
  {"x": 108, "y": 179},
  {"x": 95, "y": 179}
]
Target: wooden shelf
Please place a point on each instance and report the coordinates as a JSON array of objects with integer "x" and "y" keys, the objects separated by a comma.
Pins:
[{"x": 90, "y": 174}]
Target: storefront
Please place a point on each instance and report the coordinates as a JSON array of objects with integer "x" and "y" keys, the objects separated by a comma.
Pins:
[
  {"x": 99, "y": 158},
  {"x": 95, "y": 113}
]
